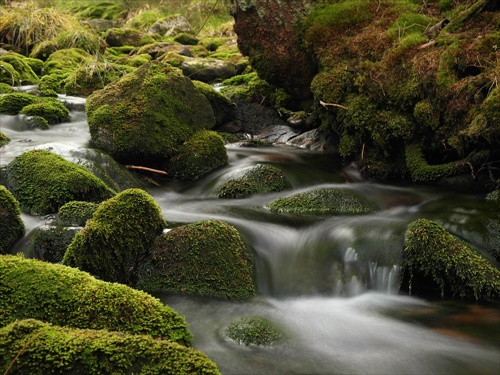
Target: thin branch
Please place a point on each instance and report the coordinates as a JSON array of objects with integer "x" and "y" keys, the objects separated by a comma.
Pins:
[
  {"x": 333, "y": 105},
  {"x": 146, "y": 169}
]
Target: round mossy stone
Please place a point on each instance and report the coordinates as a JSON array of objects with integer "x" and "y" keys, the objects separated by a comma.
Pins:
[
  {"x": 11, "y": 225},
  {"x": 254, "y": 331}
]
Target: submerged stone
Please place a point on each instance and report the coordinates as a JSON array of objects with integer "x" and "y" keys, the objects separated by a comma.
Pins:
[{"x": 254, "y": 331}]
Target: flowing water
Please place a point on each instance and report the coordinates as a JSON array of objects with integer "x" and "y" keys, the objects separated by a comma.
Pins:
[{"x": 331, "y": 283}]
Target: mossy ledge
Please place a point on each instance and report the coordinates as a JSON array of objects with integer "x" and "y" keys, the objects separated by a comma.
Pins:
[
  {"x": 11, "y": 225},
  {"x": 34, "y": 347},
  {"x": 206, "y": 258},
  {"x": 64, "y": 296},
  {"x": 324, "y": 201},
  {"x": 43, "y": 181},
  {"x": 452, "y": 265}
]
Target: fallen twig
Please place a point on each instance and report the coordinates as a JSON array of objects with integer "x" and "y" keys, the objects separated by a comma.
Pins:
[
  {"x": 333, "y": 105},
  {"x": 146, "y": 169}
]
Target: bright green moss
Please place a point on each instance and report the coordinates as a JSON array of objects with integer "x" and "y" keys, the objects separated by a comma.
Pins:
[
  {"x": 67, "y": 60},
  {"x": 254, "y": 331},
  {"x": 118, "y": 37},
  {"x": 49, "y": 108},
  {"x": 206, "y": 258},
  {"x": 325, "y": 201},
  {"x": 65, "y": 296},
  {"x": 76, "y": 213},
  {"x": 43, "y": 181},
  {"x": 421, "y": 171},
  {"x": 453, "y": 265},
  {"x": 11, "y": 225},
  {"x": 53, "y": 82},
  {"x": 145, "y": 116},
  {"x": 262, "y": 178},
  {"x": 116, "y": 238},
  {"x": 224, "y": 109},
  {"x": 3, "y": 139},
  {"x": 8, "y": 74},
  {"x": 26, "y": 75},
  {"x": 58, "y": 350},
  {"x": 200, "y": 154},
  {"x": 37, "y": 122},
  {"x": 85, "y": 39},
  {"x": 12, "y": 104},
  {"x": 5, "y": 88}
]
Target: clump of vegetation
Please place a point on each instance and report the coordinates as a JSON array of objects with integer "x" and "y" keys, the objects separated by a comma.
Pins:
[
  {"x": 262, "y": 178},
  {"x": 26, "y": 26},
  {"x": 421, "y": 171},
  {"x": 43, "y": 181},
  {"x": 50, "y": 242},
  {"x": 4, "y": 87},
  {"x": 145, "y": 116},
  {"x": 64, "y": 296},
  {"x": 3, "y": 139},
  {"x": 66, "y": 61},
  {"x": 449, "y": 263},
  {"x": 20, "y": 64},
  {"x": 11, "y": 226},
  {"x": 254, "y": 330},
  {"x": 12, "y": 104},
  {"x": 76, "y": 213},
  {"x": 223, "y": 108},
  {"x": 117, "y": 237},
  {"x": 54, "y": 349},
  {"x": 325, "y": 201},
  {"x": 200, "y": 154},
  {"x": 206, "y": 258},
  {"x": 49, "y": 108}
]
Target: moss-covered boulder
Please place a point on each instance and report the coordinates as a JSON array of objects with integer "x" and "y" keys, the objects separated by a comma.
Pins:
[
  {"x": 261, "y": 178},
  {"x": 60, "y": 350},
  {"x": 200, "y": 154},
  {"x": 224, "y": 109},
  {"x": 13, "y": 103},
  {"x": 53, "y": 111},
  {"x": 118, "y": 237},
  {"x": 26, "y": 74},
  {"x": 145, "y": 116},
  {"x": 254, "y": 330},
  {"x": 11, "y": 225},
  {"x": 43, "y": 181},
  {"x": 325, "y": 201},
  {"x": 76, "y": 213},
  {"x": 206, "y": 258},
  {"x": 64, "y": 296},
  {"x": 436, "y": 259},
  {"x": 8, "y": 75},
  {"x": 208, "y": 69},
  {"x": 118, "y": 37},
  {"x": 67, "y": 60},
  {"x": 3, "y": 139},
  {"x": 51, "y": 242}
]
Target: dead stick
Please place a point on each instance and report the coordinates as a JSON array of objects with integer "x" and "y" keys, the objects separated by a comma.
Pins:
[
  {"x": 333, "y": 105},
  {"x": 146, "y": 169}
]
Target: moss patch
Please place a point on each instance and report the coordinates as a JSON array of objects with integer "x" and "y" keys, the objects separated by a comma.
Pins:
[
  {"x": 3, "y": 139},
  {"x": 118, "y": 237},
  {"x": 50, "y": 109},
  {"x": 206, "y": 258},
  {"x": 61, "y": 350},
  {"x": 43, "y": 181},
  {"x": 325, "y": 201},
  {"x": 451, "y": 264},
  {"x": 254, "y": 331},
  {"x": 11, "y": 225},
  {"x": 76, "y": 213}
]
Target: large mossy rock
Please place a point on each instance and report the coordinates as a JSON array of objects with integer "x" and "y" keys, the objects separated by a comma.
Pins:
[
  {"x": 64, "y": 296},
  {"x": 26, "y": 74},
  {"x": 206, "y": 258},
  {"x": 145, "y": 116},
  {"x": 224, "y": 109},
  {"x": 200, "y": 154},
  {"x": 325, "y": 201},
  {"x": 117, "y": 238},
  {"x": 261, "y": 178},
  {"x": 48, "y": 108},
  {"x": 11, "y": 225},
  {"x": 436, "y": 259},
  {"x": 59, "y": 350},
  {"x": 208, "y": 69},
  {"x": 43, "y": 181}
]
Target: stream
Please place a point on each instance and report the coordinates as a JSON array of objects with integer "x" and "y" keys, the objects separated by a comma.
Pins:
[{"x": 331, "y": 283}]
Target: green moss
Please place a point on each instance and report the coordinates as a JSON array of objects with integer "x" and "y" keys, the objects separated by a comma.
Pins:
[
  {"x": 452, "y": 264},
  {"x": 11, "y": 225},
  {"x": 43, "y": 181},
  {"x": 37, "y": 122},
  {"x": 61, "y": 350},
  {"x": 50, "y": 109},
  {"x": 199, "y": 155},
  {"x": 325, "y": 201},
  {"x": 223, "y": 108},
  {"x": 118, "y": 37},
  {"x": 262, "y": 178},
  {"x": 494, "y": 196},
  {"x": 409, "y": 24},
  {"x": 8, "y": 74},
  {"x": 65, "y": 296},
  {"x": 67, "y": 60},
  {"x": 3, "y": 139},
  {"x": 26, "y": 75},
  {"x": 144, "y": 20},
  {"x": 5, "y": 88},
  {"x": 490, "y": 108},
  {"x": 420, "y": 170},
  {"x": 12, "y": 104},
  {"x": 186, "y": 39},
  {"x": 426, "y": 114},
  {"x": 53, "y": 82},
  {"x": 254, "y": 331},
  {"x": 145, "y": 116},
  {"x": 134, "y": 61},
  {"x": 213, "y": 43},
  {"x": 206, "y": 258},
  {"x": 117, "y": 237},
  {"x": 50, "y": 242},
  {"x": 76, "y": 213}
]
